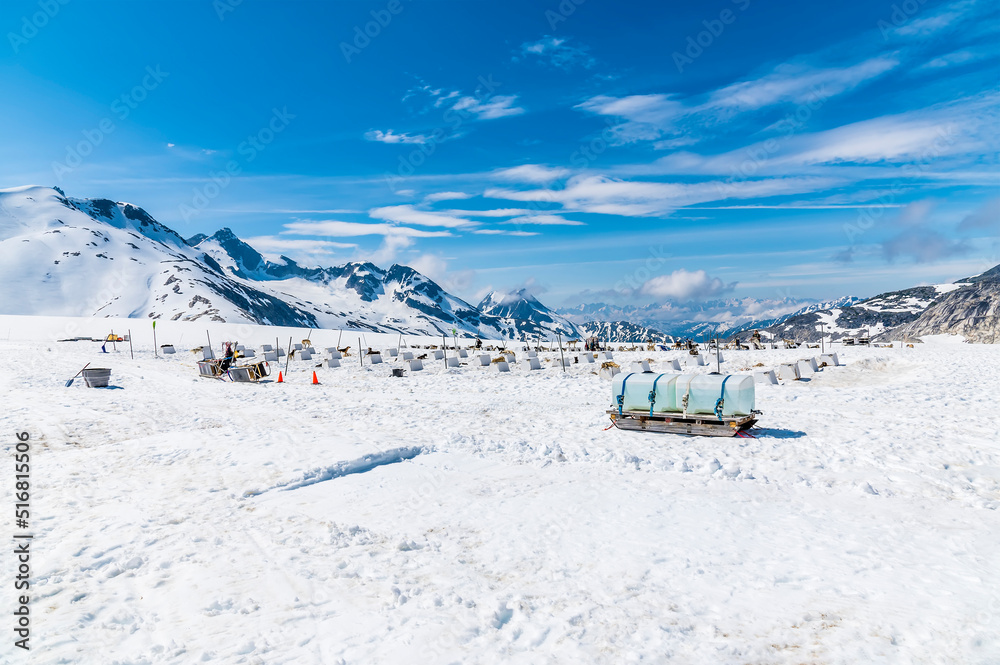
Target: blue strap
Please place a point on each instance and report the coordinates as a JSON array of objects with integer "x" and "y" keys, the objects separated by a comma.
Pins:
[
  {"x": 621, "y": 398},
  {"x": 652, "y": 394},
  {"x": 721, "y": 401}
]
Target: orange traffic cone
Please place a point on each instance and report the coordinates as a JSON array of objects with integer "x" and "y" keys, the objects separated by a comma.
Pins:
[
  {"x": 280, "y": 380},
  {"x": 315, "y": 380}
]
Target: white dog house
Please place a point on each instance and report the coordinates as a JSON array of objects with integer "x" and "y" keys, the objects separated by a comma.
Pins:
[
  {"x": 765, "y": 377},
  {"x": 640, "y": 366},
  {"x": 416, "y": 365},
  {"x": 789, "y": 372}
]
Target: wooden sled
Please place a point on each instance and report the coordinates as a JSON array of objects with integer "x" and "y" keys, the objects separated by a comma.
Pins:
[{"x": 699, "y": 424}]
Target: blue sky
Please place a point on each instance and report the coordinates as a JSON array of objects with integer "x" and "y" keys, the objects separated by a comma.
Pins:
[{"x": 655, "y": 152}]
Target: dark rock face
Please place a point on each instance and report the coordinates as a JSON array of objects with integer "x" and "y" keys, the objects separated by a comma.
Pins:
[{"x": 972, "y": 311}]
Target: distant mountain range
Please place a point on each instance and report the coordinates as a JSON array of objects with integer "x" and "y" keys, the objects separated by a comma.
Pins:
[{"x": 97, "y": 257}]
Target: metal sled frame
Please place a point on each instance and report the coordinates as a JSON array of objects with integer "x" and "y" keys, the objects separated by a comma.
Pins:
[{"x": 700, "y": 424}]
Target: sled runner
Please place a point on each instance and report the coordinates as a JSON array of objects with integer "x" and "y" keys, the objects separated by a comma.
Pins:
[{"x": 677, "y": 423}]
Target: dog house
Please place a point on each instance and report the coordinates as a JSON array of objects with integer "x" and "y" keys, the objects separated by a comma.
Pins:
[
  {"x": 765, "y": 377},
  {"x": 829, "y": 359},
  {"x": 462, "y": 353},
  {"x": 438, "y": 354},
  {"x": 407, "y": 355},
  {"x": 789, "y": 372},
  {"x": 586, "y": 358},
  {"x": 332, "y": 362},
  {"x": 640, "y": 366},
  {"x": 484, "y": 360},
  {"x": 416, "y": 365},
  {"x": 609, "y": 371},
  {"x": 502, "y": 367},
  {"x": 531, "y": 363},
  {"x": 167, "y": 349},
  {"x": 453, "y": 361},
  {"x": 375, "y": 359}
]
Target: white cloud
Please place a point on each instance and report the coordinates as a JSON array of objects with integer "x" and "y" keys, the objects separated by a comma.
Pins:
[
  {"x": 557, "y": 52},
  {"x": 390, "y": 248},
  {"x": 954, "y": 58},
  {"x": 501, "y": 232},
  {"x": 339, "y": 229},
  {"x": 488, "y": 108},
  {"x": 389, "y": 136},
  {"x": 446, "y": 196},
  {"x": 544, "y": 220},
  {"x": 671, "y": 122},
  {"x": 600, "y": 194},
  {"x": 798, "y": 83},
  {"x": 684, "y": 285},
  {"x": 407, "y": 214},
  {"x": 498, "y": 212},
  {"x": 310, "y": 252},
  {"x": 531, "y": 173}
]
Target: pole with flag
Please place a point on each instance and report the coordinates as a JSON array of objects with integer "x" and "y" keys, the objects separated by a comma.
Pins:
[{"x": 154, "y": 341}]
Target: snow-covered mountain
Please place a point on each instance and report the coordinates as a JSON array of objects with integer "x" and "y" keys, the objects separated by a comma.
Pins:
[
  {"x": 970, "y": 307},
  {"x": 96, "y": 257},
  {"x": 525, "y": 317},
  {"x": 726, "y": 317},
  {"x": 623, "y": 332},
  {"x": 876, "y": 316}
]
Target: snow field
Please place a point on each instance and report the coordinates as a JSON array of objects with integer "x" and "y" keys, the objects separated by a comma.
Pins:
[{"x": 464, "y": 515}]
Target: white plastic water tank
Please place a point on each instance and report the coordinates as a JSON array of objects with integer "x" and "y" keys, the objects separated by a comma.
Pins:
[{"x": 703, "y": 392}]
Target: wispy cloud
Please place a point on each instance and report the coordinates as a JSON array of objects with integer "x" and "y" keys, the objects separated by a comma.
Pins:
[
  {"x": 531, "y": 173},
  {"x": 408, "y": 214},
  {"x": 446, "y": 196},
  {"x": 600, "y": 194},
  {"x": 490, "y": 108},
  {"x": 556, "y": 52},
  {"x": 338, "y": 229},
  {"x": 544, "y": 220},
  {"x": 669, "y": 119},
  {"x": 389, "y": 136}
]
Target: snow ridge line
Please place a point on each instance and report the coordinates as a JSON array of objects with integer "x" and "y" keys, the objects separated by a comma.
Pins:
[{"x": 350, "y": 467}]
